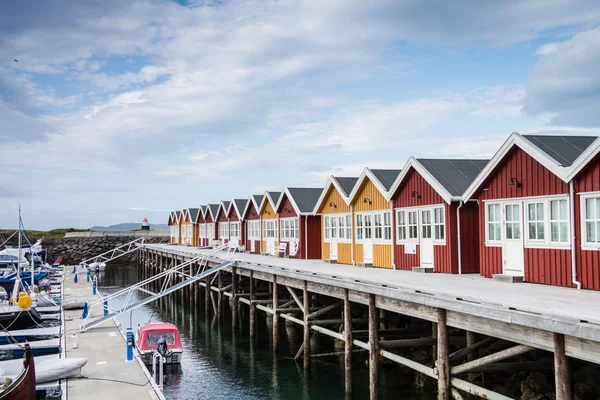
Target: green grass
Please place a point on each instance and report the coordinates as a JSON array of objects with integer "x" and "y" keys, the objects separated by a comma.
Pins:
[{"x": 35, "y": 235}]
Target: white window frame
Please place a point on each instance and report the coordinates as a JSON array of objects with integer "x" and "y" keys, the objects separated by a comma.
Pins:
[
  {"x": 528, "y": 221},
  {"x": 210, "y": 230},
  {"x": 441, "y": 225},
  {"x": 289, "y": 228},
  {"x": 495, "y": 241},
  {"x": 585, "y": 244},
  {"x": 234, "y": 230},
  {"x": 254, "y": 229},
  {"x": 416, "y": 227},
  {"x": 327, "y": 228},
  {"x": 202, "y": 233},
  {"x": 269, "y": 229},
  {"x": 378, "y": 232},
  {"x": 223, "y": 230}
]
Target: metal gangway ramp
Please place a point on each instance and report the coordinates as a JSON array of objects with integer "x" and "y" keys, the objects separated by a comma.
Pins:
[
  {"x": 115, "y": 253},
  {"x": 130, "y": 303}
]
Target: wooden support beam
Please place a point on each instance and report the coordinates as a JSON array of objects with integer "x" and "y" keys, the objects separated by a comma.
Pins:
[
  {"x": 325, "y": 310},
  {"x": 509, "y": 367},
  {"x": 306, "y": 324},
  {"x": 207, "y": 296},
  {"x": 443, "y": 365},
  {"x": 403, "y": 343},
  {"x": 220, "y": 295},
  {"x": 456, "y": 394},
  {"x": 347, "y": 343},
  {"x": 234, "y": 302},
  {"x": 295, "y": 297},
  {"x": 226, "y": 288},
  {"x": 562, "y": 370},
  {"x": 252, "y": 307},
  {"x": 495, "y": 357},
  {"x": 373, "y": 349},
  {"x": 462, "y": 353},
  {"x": 275, "y": 316},
  {"x": 477, "y": 390},
  {"x": 213, "y": 302}
]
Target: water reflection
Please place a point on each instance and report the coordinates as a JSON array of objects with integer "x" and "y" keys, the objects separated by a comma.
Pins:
[{"x": 219, "y": 363}]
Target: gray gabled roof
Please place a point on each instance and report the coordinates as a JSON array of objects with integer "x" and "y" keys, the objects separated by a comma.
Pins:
[
  {"x": 203, "y": 210},
  {"x": 563, "y": 149},
  {"x": 226, "y": 205},
  {"x": 258, "y": 199},
  {"x": 275, "y": 196},
  {"x": 386, "y": 176},
  {"x": 240, "y": 205},
  {"x": 193, "y": 214},
  {"x": 214, "y": 209},
  {"x": 454, "y": 175},
  {"x": 305, "y": 198},
  {"x": 346, "y": 183}
]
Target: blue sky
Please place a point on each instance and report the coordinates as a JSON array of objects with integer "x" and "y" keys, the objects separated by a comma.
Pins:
[{"x": 116, "y": 111}]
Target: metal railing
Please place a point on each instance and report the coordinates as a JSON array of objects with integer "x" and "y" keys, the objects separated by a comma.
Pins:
[{"x": 115, "y": 253}]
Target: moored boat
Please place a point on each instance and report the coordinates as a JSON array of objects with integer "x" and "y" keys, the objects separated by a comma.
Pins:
[
  {"x": 147, "y": 338},
  {"x": 23, "y": 385}
]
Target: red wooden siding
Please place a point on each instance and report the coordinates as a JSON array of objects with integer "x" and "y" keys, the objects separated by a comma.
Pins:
[
  {"x": 222, "y": 216},
  {"x": 445, "y": 256},
  {"x": 313, "y": 236},
  {"x": 548, "y": 266},
  {"x": 286, "y": 210},
  {"x": 469, "y": 237},
  {"x": 588, "y": 261}
]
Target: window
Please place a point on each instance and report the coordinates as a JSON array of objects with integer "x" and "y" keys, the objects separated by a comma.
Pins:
[
  {"x": 368, "y": 226},
  {"x": 426, "y": 224},
  {"x": 254, "y": 230},
  {"x": 270, "y": 229},
  {"x": 326, "y": 227},
  {"x": 513, "y": 221},
  {"x": 234, "y": 229},
  {"x": 439, "y": 224},
  {"x": 559, "y": 221},
  {"x": 494, "y": 222},
  {"x": 333, "y": 227},
  {"x": 413, "y": 225},
  {"x": 289, "y": 228},
  {"x": 342, "y": 226},
  {"x": 203, "y": 231},
  {"x": 359, "y": 227},
  {"x": 592, "y": 220},
  {"x": 378, "y": 226},
  {"x": 349, "y": 227},
  {"x": 535, "y": 220},
  {"x": 223, "y": 230},
  {"x": 400, "y": 225},
  {"x": 387, "y": 225}
]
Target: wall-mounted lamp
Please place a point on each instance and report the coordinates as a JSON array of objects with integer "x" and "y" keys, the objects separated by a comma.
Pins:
[
  {"x": 287, "y": 210},
  {"x": 514, "y": 182},
  {"x": 267, "y": 212},
  {"x": 332, "y": 205},
  {"x": 366, "y": 200},
  {"x": 414, "y": 194}
]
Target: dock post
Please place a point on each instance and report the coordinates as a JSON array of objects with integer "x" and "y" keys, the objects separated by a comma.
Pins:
[
  {"x": 220, "y": 296},
  {"x": 471, "y": 340},
  {"x": 348, "y": 343},
  {"x": 275, "y": 316},
  {"x": 306, "y": 327},
  {"x": 562, "y": 369},
  {"x": 234, "y": 288},
  {"x": 252, "y": 306},
  {"x": 373, "y": 348},
  {"x": 207, "y": 296},
  {"x": 443, "y": 364}
]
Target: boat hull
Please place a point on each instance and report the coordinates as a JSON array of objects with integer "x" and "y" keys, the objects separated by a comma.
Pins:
[{"x": 174, "y": 358}]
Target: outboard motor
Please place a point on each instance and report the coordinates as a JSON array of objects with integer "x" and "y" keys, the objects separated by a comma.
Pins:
[{"x": 162, "y": 347}]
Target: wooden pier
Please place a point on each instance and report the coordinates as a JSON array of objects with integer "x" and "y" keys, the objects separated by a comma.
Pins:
[{"x": 466, "y": 313}]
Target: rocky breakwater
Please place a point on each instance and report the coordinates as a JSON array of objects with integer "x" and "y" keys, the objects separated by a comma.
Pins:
[{"x": 73, "y": 250}]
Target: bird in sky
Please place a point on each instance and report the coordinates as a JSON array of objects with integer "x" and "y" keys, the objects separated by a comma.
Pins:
[{"x": 15, "y": 60}]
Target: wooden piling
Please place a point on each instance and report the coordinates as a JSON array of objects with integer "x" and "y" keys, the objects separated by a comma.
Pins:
[
  {"x": 562, "y": 369},
  {"x": 220, "y": 296},
  {"x": 252, "y": 306},
  {"x": 347, "y": 343},
  {"x": 275, "y": 316},
  {"x": 234, "y": 303},
  {"x": 207, "y": 296},
  {"x": 306, "y": 327},
  {"x": 373, "y": 348},
  {"x": 443, "y": 364}
]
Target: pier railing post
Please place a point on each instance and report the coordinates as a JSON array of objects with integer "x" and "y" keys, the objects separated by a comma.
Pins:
[
  {"x": 306, "y": 327},
  {"x": 252, "y": 306},
  {"x": 234, "y": 311},
  {"x": 373, "y": 348},
  {"x": 443, "y": 364},
  {"x": 275, "y": 315},
  {"x": 347, "y": 343},
  {"x": 562, "y": 369}
]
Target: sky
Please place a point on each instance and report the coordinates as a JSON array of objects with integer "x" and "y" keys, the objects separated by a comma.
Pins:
[{"x": 112, "y": 111}]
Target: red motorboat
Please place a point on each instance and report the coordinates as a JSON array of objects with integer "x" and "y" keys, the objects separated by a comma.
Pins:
[
  {"x": 23, "y": 386},
  {"x": 147, "y": 337}
]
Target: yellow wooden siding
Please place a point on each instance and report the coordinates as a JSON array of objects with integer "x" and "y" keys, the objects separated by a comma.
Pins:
[
  {"x": 325, "y": 250},
  {"x": 333, "y": 196},
  {"x": 358, "y": 252},
  {"x": 264, "y": 246},
  {"x": 382, "y": 255},
  {"x": 369, "y": 191},
  {"x": 344, "y": 253},
  {"x": 195, "y": 231},
  {"x": 267, "y": 211}
]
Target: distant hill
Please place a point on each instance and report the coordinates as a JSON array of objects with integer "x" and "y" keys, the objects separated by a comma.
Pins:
[{"x": 128, "y": 227}]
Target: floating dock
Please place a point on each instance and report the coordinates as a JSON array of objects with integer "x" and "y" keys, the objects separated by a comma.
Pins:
[
  {"x": 511, "y": 319},
  {"x": 107, "y": 374}
]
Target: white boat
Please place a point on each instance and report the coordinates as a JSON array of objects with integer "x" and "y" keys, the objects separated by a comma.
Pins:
[
  {"x": 97, "y": 266},
  {"x": 47, "y": 368}
]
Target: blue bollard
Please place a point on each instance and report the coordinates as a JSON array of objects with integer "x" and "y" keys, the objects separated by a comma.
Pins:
[
  {"x": 75, "y": 279},
  {"x": 94, "y": 286},
  {"x": 105, "y": 308},
  {"x": 129, "y": 344},
  {"x": 84, "y": 314},
  {"x": 87, "y": 277},
  {"x": 74, "y": 269}
]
